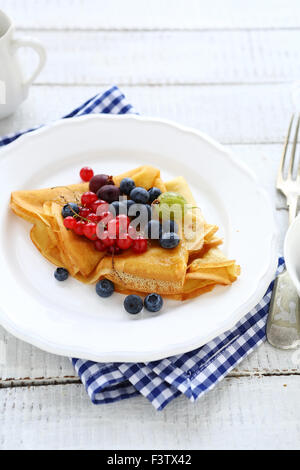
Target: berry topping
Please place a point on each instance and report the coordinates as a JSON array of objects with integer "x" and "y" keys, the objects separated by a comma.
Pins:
[
  {"x": 61, "y": 274},
  {"x": 114, "y": 250},
  {"x": 132, "y": 232},
  {"x": 139, "y": 195},
  {"x": 154, "y": 193},
  {"x": 100, "y": 180},
  {"x": 70, "y": 223},
  {"x": 89, "y": 231},
  {"x": 127, "y": 185},
  {"x": 69, "y": 210},
  {"x": 153, "y": 302},
  {"x": 124, "y": 242},
  {"x": 84, "y": 212},
  {"x": 78, "y": 229},
  {"x": 127, "y": 204},
  {"x": 86, "y": 173},
  {"x": 116, "y": 207},
  {"x": 140, "y": 245},
  {"x": 154, "y": 229},
  {"x": 88, "y": 198},
  {"x": 99, "y": 206},
  {"x": 169, "y": 240},
  {"x": 105, "y": 238},
  {"x": 170, "y": 205},
  {"x": 109, "y": 193},
  {"x": 105, "y": 217},
  {"x": 124, "y": 222},
  {"x": 142, "y": 211},
  {"x": 133, "y": 304},
  {"x": 170, "y": 226},
  {"x": 99, "y": 245},
  {"x": 113, "y": 228},
  {"x": 94, "y": 218},
  {"x": 105, "y": 288}
]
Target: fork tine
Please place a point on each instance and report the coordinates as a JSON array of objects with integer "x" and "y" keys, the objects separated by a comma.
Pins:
[
  {"x": 291, "y": 165},
  {"x": 282, "y": 161}
]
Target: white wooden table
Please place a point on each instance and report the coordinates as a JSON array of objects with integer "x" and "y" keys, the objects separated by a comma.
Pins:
[{"x": 225, "y": 67}]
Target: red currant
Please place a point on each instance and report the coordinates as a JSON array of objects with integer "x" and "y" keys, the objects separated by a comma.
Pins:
[
  {"x": 124, "y": 222},
  {"x": 104, "y": 237},
  {"x": 79, "y": 227},
  {"x": 106, "y": 217},
  {"x": 70, "y": 222},
  {"x": 132, "y": 232},
  {"x": 99, "y": 245},
  {"x": 113, "y": 228},
  {"x": 140, "y": 245},
  {"x": 125, "y": 242},
  {"x": 88, "y": 198},
  {"x": 86, "y": 173},
  {"x": 89, "y": 230},
  {"x": 99, "y": 206},
  {"x": 84, "y": 212},
  {"x": 94, "y": 218},
  {"x": 113, "y": 250}
]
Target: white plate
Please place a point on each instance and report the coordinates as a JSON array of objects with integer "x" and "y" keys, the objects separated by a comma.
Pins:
[{"x": 69, "y": 318}]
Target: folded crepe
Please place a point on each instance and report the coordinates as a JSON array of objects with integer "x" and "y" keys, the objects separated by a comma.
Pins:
[{"x": 192, "y": 268}]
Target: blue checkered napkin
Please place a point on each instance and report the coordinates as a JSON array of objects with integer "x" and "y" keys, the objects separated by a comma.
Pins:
[
  {"x": 192, "y": 373},
  {"x": 112, "y": 101}
]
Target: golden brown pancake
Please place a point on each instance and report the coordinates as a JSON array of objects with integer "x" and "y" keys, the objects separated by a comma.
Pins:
[{"x": 189, "y": 270}]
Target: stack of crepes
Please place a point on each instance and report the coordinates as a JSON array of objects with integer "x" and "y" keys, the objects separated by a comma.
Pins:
[{"x": 189, "y": 270}]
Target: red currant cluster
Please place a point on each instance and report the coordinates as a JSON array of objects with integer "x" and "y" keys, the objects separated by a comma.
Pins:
[{"x": 109, "y": 233}]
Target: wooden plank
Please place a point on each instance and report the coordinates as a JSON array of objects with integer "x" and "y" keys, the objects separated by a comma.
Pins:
[
  {"x": 26, "y": 365},
  {"x": 187, "y": 57},
  {"x": 22, "y": 362},
  {"x": 231, "y": 114},
  {"x": 240, "y": 413},
  {"x": 157, "y": 14}
]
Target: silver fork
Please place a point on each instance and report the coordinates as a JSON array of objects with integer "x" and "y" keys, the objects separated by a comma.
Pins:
[
  {"x": 283, "y": 325},
  {"x": 289, "y": 186}
]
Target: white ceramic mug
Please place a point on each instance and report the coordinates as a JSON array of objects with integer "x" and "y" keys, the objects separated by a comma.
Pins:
[{"x": 13, "y": 87}]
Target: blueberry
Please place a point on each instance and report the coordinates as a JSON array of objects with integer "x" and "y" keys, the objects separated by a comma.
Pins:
[
  {"x": 154, "y": 229},
  {"x": 133, "y": 304},
  {"x": 126, "y": 186},
  {"x": 105, "y": 288},
  {"x": 170, "y": 226},
  {"x": 139, "y": 195},
  {"x": 69, "y": 209},
  {"x": 61, "y": 274},
  {"x": 154, "y": 193},
  {"x": 153, "y": 302},
  {"x": 169, "y": 240}
]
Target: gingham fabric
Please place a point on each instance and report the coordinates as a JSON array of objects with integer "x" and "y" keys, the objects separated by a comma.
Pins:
[{"x": 193, "y": 373}]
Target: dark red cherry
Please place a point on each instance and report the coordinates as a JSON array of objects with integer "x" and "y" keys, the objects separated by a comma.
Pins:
[
  {"x": 100, "y": 180},
  {"x": 109, "y": 193}
]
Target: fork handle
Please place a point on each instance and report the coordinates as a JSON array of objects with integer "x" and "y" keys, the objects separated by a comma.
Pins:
[
  {"x": 283, "y": 325},
  {"x": 292, "y": 202}
]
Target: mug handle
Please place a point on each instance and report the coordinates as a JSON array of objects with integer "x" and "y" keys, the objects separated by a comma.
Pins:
[{"x": 39, "y": 49}]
